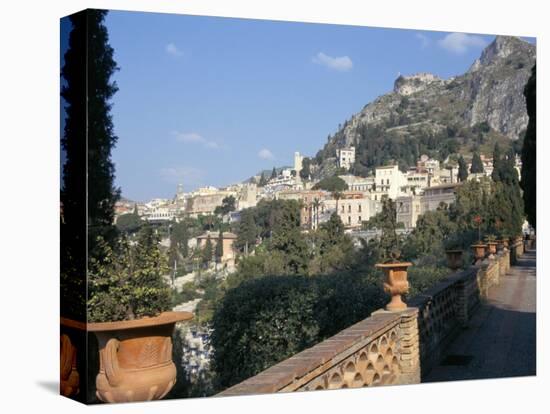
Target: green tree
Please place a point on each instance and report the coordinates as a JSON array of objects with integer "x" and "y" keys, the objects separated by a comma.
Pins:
[
  {"x": 477, "y": 165},
  {"x": 247, "y": 231},
  {"x": 219, "y": 248},
  {"x": 273, "y": 174},
  {"x": 129, "y": 223},
  {"x": 529, "y": 151},
  {"x": 263, "y": 180},
  {"x": 331, "y": 184},
  {"x": 506, "y": 206},
  {"x": 497, "y": 165},
  {"x": 180, "y": 233},
  {"x": 87, "y": 142},
  {"x": 207, "y": 252},
  {"x": 462, "y": 169},
  {"x": 228, "y": 205},
  {"x": 305, "y": 172},
  {"x": 428, "y": 237}
]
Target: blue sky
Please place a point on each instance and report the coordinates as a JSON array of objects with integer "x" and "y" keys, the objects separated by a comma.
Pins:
[{"x": 211, "y": 101}]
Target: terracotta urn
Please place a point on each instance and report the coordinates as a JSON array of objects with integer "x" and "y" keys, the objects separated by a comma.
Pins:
[
  {"x": 135, "y": 357},
  {"x": 396, "y": 283},
  {"x": 72, "y": 333},
  {"x": 492, "y": 247},
  {"x": 505, "y": 242},
  {"x": 454, "y": 259},
  {"x": 479, "y": 251}
]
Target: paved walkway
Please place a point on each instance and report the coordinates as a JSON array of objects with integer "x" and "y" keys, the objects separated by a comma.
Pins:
[{"x": 501, "y": 338}]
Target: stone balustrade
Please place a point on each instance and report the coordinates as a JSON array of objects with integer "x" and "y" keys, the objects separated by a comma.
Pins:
[{"x": 387, "y": 347}]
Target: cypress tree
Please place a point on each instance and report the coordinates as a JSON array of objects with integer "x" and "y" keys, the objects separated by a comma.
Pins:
[
  {"x": 529, "y": 151},
  {"x": 477, "y": 165},
  {"x": 462, "y": 169},
  {"x": 263, "y": 180},
  {"x": 87, "y": 141},
  {"x": 207, "y": 252},
  {"x": 496, "y": 163},
  {"x": 219, "y": 247},
  {"x": 273, "y": 174}
]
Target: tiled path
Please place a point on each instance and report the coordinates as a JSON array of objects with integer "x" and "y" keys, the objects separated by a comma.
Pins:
[{"x": 501, "y": 338}]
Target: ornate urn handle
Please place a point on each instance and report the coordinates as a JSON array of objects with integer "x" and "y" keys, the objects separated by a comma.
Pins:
[{"x": 109, "y": 360}]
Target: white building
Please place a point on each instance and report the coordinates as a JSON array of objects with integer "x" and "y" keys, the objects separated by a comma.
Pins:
[
  {"x": 389, "y": 181},
  {"x": 346, "y": 157},
  {"x": 409, "y": 208},
  {"x": 162, "y": 213},
  {"x": 353, "y": 208},
  {"x": 356, "y": 183}
]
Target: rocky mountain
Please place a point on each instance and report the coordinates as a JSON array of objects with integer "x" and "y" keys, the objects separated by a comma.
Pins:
[{"x": 440, "y": 117}]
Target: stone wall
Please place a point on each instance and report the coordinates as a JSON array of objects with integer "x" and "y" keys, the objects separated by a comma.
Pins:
[{"x": 387, "y": 347}]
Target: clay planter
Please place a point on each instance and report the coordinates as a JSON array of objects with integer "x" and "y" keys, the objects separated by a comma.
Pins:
[
  {"x": 492, "y": 247},
  {"x": 136, "y": 357},
  {"x": 454, "y": 259},
  {"x": 506, "y": 243},
  {"x": 396, "y": 283},
  {"x": 72, "y": 337},
  {"x": 479, "y": 251}
]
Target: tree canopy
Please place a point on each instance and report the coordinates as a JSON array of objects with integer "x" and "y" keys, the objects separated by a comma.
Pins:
[{"x": 331, "y": 184}]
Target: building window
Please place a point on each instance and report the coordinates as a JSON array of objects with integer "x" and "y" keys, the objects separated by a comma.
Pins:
[
  {"x": 343, "y": 208},
  {"x": 359, "y": 220},
  {"x": 349, "y": 219},
  {"x": 349, "y": 208},
  {"x": 359, "y": 208}
]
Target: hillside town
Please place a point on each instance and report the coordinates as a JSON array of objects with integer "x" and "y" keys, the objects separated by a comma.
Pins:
[{"x": 420, "y": 189}]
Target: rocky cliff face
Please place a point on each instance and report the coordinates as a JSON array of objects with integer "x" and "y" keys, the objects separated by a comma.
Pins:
[
  {"x": 496, "y": 81},
  {"x": 490, "y": 93}
]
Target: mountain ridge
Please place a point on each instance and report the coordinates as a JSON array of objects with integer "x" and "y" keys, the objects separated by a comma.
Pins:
[{"x": 442, "y": 116}]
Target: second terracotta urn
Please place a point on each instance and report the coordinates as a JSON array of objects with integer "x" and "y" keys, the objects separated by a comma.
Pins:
[{"x": 396, "y": 283}]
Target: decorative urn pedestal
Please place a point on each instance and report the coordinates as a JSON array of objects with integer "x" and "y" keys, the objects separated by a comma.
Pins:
[
  {"x": 479, "y": 251},
  {"x": 72, "y": 337},
  {"x": 136, "y": 357},
  {"x": 396, "y": 283},
  {"x": 454, "y": 258}
]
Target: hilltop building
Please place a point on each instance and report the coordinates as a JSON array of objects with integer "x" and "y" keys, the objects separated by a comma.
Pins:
[{"x": 346, "y": 157}]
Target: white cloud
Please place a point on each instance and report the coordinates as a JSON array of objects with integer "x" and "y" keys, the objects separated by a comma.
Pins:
[
  {"x": 459, "y": 43},
  {"x": 173, "y": 50},
  {"x": 188, "y": 175},
  {"x": 425, "y": 40},
  {"x": 266, "y": 154},
  {"x": 341, "y": 64},
  {"x": 195, "y": 138}
]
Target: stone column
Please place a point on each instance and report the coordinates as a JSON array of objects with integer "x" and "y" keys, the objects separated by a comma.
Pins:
[{"x": 409, "y": 354}]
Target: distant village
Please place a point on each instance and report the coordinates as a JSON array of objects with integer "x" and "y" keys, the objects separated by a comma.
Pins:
[{"x": 420, "y": 189}]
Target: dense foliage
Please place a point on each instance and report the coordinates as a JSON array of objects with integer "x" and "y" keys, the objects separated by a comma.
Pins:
[{"x": 126, "y": 281}]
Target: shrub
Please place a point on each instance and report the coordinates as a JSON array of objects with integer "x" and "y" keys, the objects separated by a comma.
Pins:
[
  {"x": 264, "y": 321},
  {"x": 126, "y": 282},
  {"x": 260, "y": 323}
]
